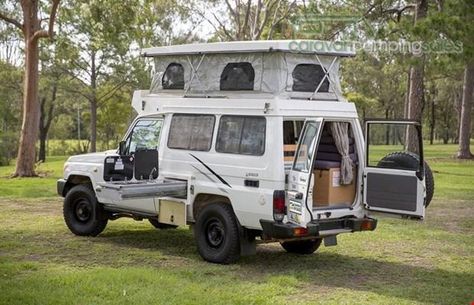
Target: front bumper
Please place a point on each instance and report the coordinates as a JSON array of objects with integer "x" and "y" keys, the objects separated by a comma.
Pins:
[
  {"x": 60, "y": 187},
  {"x": 279, "y": 230}
]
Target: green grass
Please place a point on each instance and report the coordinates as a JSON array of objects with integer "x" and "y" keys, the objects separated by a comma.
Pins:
[
  {"x": 56, "y": 147},
  {"x": 402, "y": 262},
  {"x": 42, "y": 186}
]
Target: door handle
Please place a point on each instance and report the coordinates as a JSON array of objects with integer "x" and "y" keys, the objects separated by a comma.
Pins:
[{"x": 295, "y": 195}]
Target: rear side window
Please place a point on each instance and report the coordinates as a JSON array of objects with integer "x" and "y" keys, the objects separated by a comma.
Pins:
[
  {"x": 306, "y": 78},
  {"x": 173, "y": 78},
  {"x": 241, "y": 135},
  {"x": 192, "y": 132},
  {"x": 237, "y": 76}
]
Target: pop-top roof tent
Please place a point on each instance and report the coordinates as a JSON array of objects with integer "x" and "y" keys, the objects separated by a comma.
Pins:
[{"x": 300, "y": 69}]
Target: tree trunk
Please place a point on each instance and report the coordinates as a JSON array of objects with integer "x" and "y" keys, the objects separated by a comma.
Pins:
[
  {"x": 93, "y": 125},
  {"x": 416, "y": 90},
  {"x": 387, "y": 130},
  {"x": 25, "y": 164},
  {"x": 432, "y": 121},
  {"x": 32, "y": 32},
  {"x": 45, "y": 122},
  {"x": 42, "y": 147},
  {"x": 415, "y": 105},
  {"x": 42, "y": 132},
  {"x": 93, "y": 104},
  {"x": 465, "y": 122},
  {"x": 432, "y": 112}
]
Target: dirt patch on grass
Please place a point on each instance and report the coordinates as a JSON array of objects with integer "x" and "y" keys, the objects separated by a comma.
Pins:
[
  {"x": 451, "y": 215},
  {"x": 43, "y": 206}
]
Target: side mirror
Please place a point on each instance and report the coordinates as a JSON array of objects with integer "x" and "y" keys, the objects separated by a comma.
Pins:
[{"x": 122, "y": 148}]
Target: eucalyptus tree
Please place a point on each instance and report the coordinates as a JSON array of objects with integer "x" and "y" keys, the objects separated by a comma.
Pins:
[
  {"x": 10, "y": 100},
  {"x": 101, "y": 44},
  {"x": 27, "y": 18},
  {"x": 457, "y": 24},
  {"x": 95, "y": 42},
  {"x": 245, "y": 19}
]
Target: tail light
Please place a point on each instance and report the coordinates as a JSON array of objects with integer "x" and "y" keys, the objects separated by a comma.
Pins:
[
  {"x": 300, "y": 231},
  {"x": 279, "y": 207},
  {"x": 367, "y": 225}
]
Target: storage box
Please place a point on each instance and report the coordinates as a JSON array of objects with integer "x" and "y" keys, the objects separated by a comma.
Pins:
[
  {"x": 172, "y": 212},
  {"x": 328, "y": 191}
]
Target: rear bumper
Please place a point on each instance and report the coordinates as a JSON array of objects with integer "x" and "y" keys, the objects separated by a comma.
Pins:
[
  {"x": 279, "y": 230},
  {"x": 60, "y": 187}
]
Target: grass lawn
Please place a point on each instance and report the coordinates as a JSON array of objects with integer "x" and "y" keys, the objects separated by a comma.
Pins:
[
  {"x": 402, "y": 262},
  {"x": 42, "y": 186}
]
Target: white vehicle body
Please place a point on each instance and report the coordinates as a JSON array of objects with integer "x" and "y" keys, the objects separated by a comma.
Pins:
[{"x": 248, "y": 182}]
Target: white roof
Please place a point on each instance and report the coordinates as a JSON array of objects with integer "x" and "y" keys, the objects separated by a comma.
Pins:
[
  {"x": 258, "y": 46},
  {"x": 145, "y": 103}
]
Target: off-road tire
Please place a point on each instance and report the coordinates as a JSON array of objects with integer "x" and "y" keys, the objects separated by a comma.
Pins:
[
  {"x": 217, "y": 234},
  {"x": 404, "y": 160},
  {"x": 307, "y": 246},
  {"x": 159, "y": 225},
  {"x": 83, "y": 215}
]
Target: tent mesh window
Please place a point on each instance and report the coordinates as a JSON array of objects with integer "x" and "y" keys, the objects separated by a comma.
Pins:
[
  {"x": 306, "y": 78},
  {"x": 237, "y": 76},
  {"x": 173, "y": 78}
]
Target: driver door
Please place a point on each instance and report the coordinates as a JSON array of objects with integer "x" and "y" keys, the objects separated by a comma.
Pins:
[
  {"x": 394, "y": 180},
  {"x": 141, "y": 148},
  {"x": 299, "y": 211}
]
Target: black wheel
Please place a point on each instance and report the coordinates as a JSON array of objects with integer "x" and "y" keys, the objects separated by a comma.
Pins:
[
  {"x": 217, "y": 234},
  {"x": 83, "y": 215},
  {"x": 307, "y": 246},
  {"x": 408, "y": 160},
  {"x": 160, "y": 225}
]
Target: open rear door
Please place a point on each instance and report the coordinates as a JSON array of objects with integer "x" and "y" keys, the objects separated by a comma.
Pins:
[
  {"x": 299, "y": 211},
  {"x": 394, "y": 180}
]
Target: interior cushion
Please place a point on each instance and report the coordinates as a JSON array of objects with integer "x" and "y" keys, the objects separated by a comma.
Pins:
[
  {"x": 322, "y": 164},
  {"x": 333, "y": 156},
  {"x": 327, "y": 139},
  {"x": 332, "y": 148}
]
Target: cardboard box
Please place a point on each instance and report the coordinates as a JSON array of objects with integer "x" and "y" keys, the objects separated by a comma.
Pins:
[{"x": 328, "y": 191}]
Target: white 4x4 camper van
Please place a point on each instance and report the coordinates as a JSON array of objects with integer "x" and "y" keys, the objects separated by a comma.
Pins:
[{"x": 246, "y": 141}]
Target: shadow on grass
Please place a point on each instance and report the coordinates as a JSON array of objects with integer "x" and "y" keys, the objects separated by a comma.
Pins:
[
  {"x": 318, "y": 271},
  {"x": 173, "y": 242}
]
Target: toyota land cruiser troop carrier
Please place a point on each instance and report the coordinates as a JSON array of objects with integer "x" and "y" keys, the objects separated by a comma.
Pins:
[{"x": 250, "y": 140}]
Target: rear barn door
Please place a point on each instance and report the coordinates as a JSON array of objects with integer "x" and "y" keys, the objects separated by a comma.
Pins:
[
  {"x": 394, "y": 170},
  {"x": 299, "y": 211}
]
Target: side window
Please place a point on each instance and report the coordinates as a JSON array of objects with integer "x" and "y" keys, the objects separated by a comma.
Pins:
[
  {"x": 173, "y": 78},
  {"x": 306, "y": 78},
  {"x": 241, "y": 135},
  {"x": 192, "y": 132},
  {"x": 145, "y": 135},
  {"x": 237, "y": 76}
]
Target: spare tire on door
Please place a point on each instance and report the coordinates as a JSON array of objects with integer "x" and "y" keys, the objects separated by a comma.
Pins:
[{"x": 409, "y": 160}]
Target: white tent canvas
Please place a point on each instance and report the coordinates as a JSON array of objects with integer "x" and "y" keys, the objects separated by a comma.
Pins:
[{"x": 273, "y": 63}]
